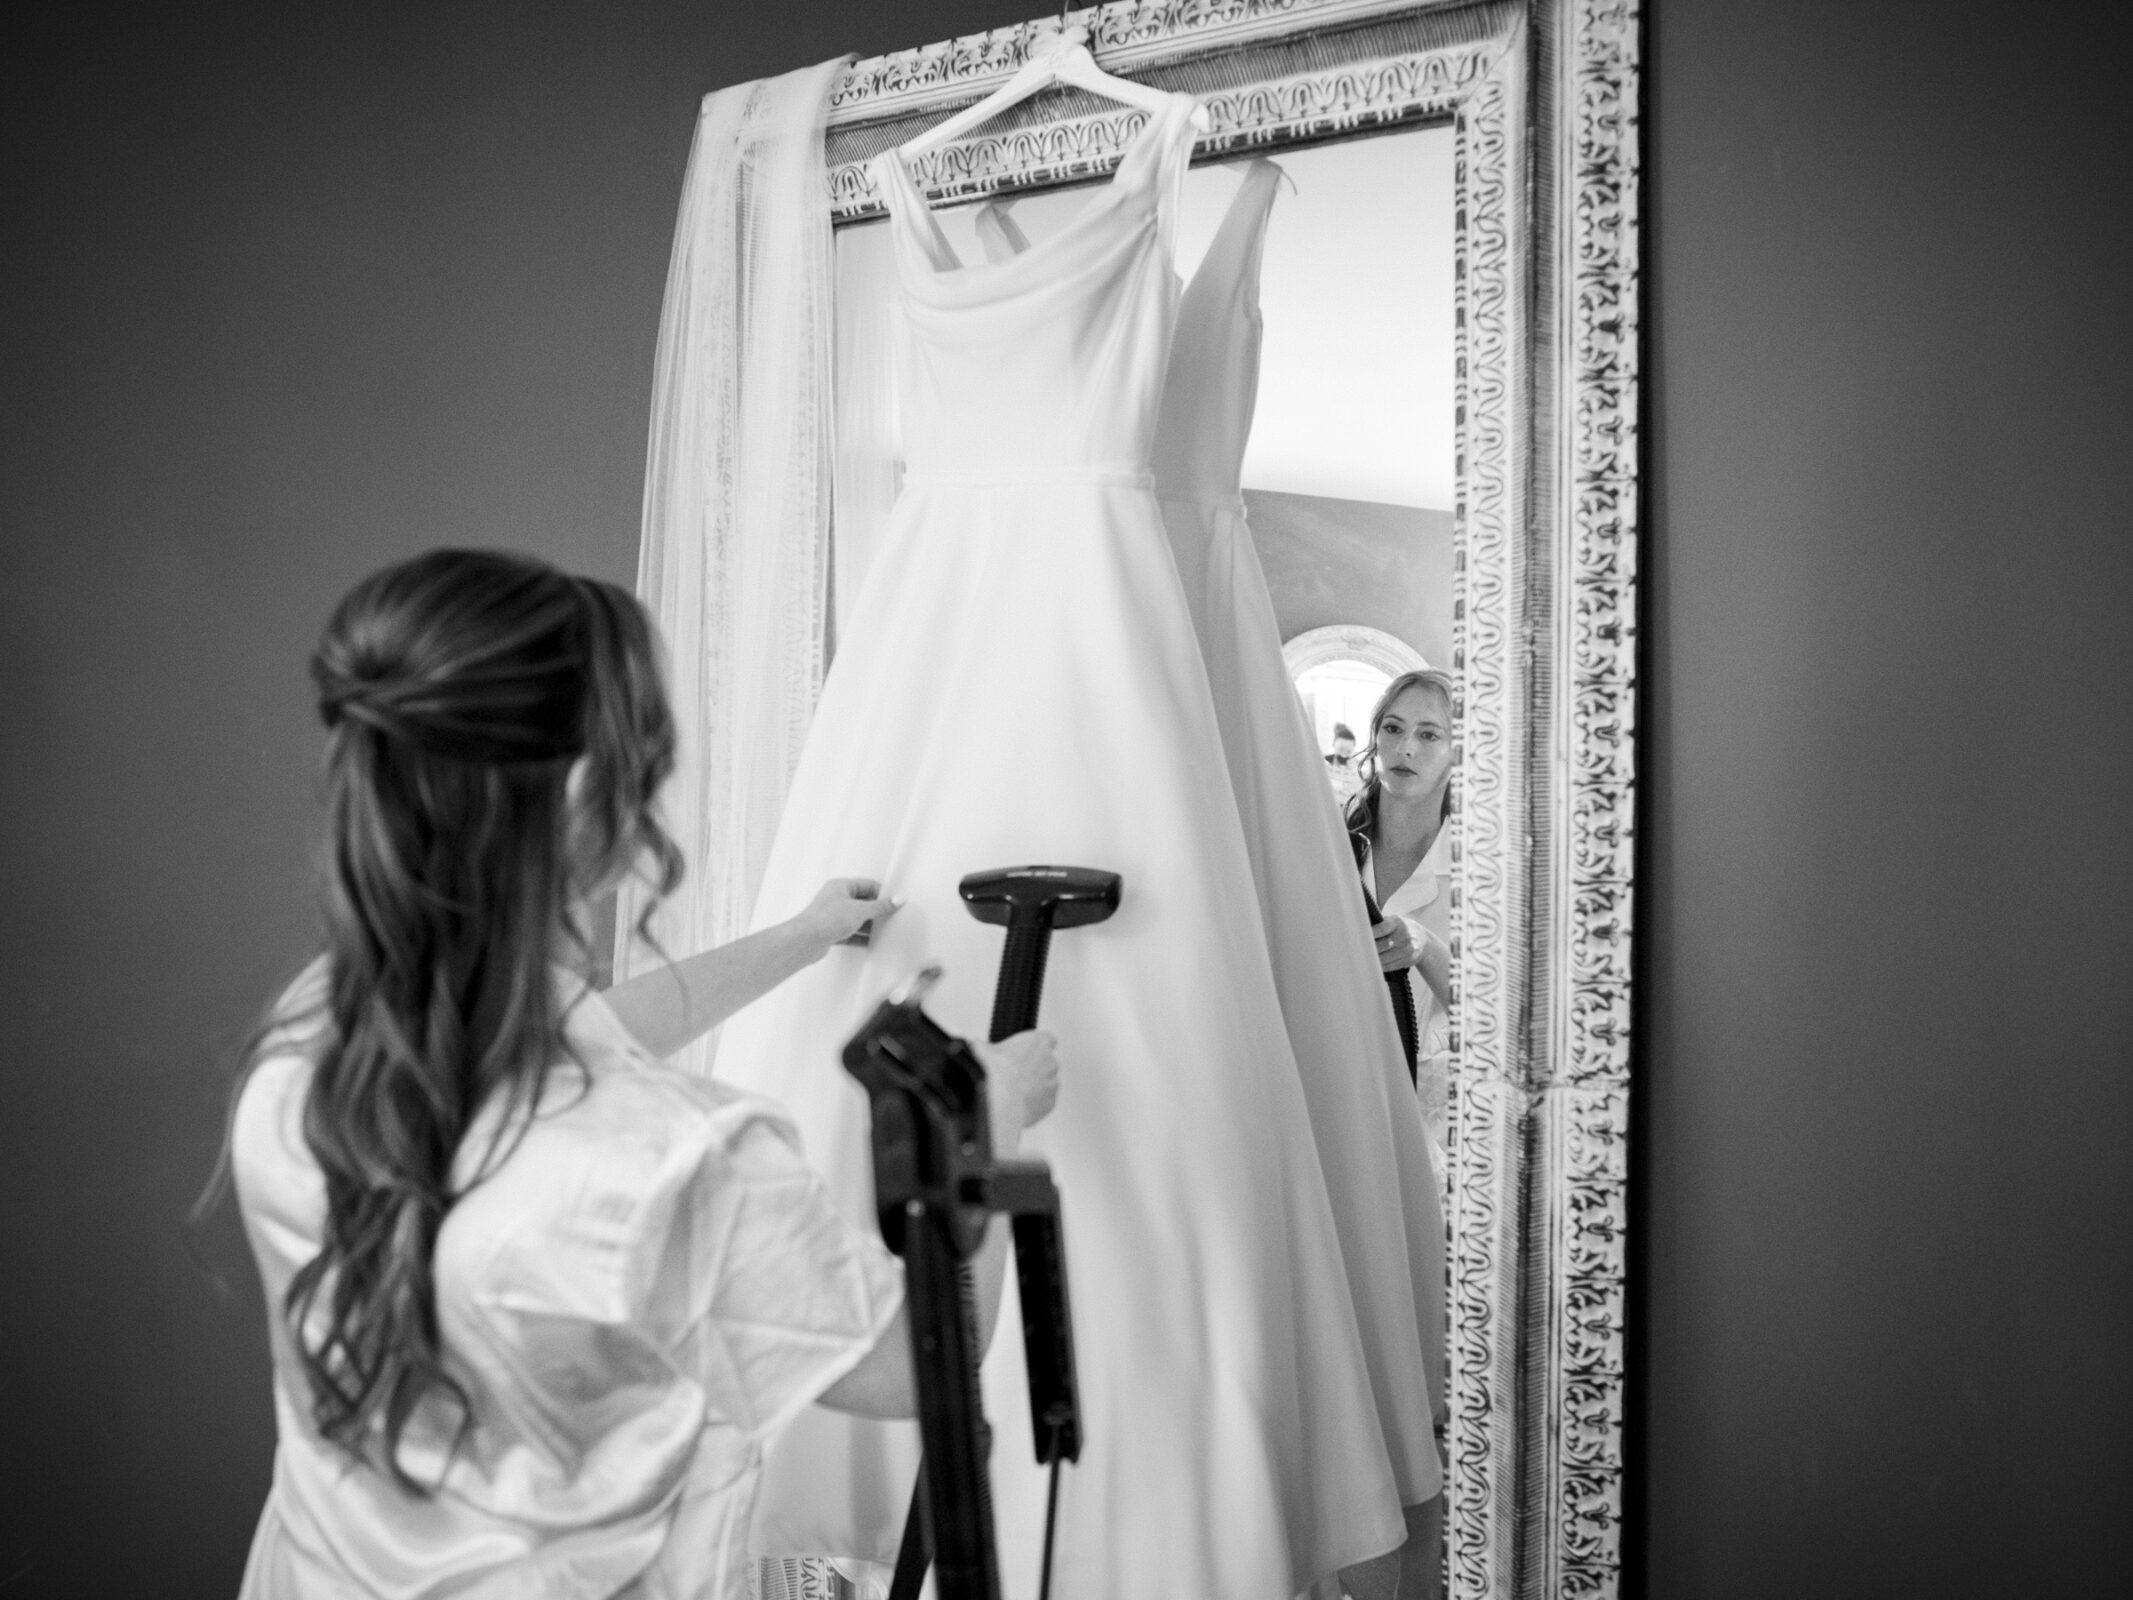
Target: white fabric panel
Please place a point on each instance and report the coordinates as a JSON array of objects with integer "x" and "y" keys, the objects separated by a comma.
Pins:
[
  {"x": 869, "y": 454},
  {"x": 734, "y": 557}
]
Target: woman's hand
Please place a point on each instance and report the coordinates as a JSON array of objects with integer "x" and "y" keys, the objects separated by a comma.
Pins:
[
  {"x": 1397, "y": 947},
  {"x": 841, "y": 910},
  {"x": 1021, "y": 1080}
]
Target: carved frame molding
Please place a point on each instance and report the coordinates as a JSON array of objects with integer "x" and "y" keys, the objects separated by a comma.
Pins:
[{"x": 1543, "y": 95}]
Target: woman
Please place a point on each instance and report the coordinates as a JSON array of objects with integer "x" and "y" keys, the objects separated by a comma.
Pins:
[
  {"x": 535, "y": 1301},
  {"x": 1397, "y": 823}
]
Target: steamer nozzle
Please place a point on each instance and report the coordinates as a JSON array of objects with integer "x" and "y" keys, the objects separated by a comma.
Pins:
[
  {"x": 1030, "y": 902},
  {"x": 1056, "y": 897}
]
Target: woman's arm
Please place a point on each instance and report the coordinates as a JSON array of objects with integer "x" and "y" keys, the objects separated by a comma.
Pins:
[
  {"x": 667, "y": 1008},
  {"x": 1022, "y": 1082}
]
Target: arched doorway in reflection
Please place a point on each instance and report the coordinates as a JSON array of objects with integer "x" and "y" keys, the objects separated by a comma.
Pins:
[{"x": 1339, "y": 672}]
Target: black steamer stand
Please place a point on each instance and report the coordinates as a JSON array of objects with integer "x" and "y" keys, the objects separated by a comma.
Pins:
[{"x": 936, "y": 1184}]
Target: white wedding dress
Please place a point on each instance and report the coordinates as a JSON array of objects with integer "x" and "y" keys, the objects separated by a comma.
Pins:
[
  {"x": 1372, "y": 1133},
  {"x": 1021, "y": 682}
]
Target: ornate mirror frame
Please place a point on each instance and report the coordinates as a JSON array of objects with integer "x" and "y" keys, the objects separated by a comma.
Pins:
[{"x": 1543, "y": 97}]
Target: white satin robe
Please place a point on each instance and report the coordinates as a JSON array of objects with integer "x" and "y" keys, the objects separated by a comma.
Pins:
[{"x": 649, "y": 1285}]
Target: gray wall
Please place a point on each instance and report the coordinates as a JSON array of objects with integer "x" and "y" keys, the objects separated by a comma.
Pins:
[
  {"x": 1331, "y": 561},
  {"x": 1883, "y": 1194},
  {"x": 293, "y": 290}
]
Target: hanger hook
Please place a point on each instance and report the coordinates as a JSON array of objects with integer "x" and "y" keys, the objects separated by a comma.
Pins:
[{"x": 1066, "y": 33}]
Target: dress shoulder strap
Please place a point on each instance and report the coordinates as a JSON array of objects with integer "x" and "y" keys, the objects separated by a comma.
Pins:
[
  {"x": 1156, "y": 163},
  {"x": 1230, "y": 269},
  {"x": 909, "y": 214},
  {"x": 1000, "y": 236}
]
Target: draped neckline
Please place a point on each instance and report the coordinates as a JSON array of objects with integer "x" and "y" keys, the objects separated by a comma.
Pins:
[
  {"x": 907, "y": 202},
  {"x": 1232, "y": 218}
]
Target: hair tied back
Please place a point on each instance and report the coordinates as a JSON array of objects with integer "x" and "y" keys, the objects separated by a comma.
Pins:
[{"x": 515, "y": 691}]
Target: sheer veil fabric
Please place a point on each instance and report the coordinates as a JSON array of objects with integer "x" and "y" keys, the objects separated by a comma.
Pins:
[
  {"x": 1019, "y": 679},
  {"x": 734, "y": 557}
]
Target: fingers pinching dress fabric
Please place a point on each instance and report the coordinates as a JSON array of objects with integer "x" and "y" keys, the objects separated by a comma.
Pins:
[{"x": 1021, "y": 682}]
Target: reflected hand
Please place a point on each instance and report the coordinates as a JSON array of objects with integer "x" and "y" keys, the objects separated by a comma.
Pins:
[
  {"x": 1021, "y": 1078},
  {"x": 1395, "y": 940},
  {"x": 846, "y": 910}
]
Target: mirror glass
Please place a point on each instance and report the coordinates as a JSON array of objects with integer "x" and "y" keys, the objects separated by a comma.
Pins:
[
  {"x": 1350, "y": 474},
  {"x": 1349, "y": 481}
]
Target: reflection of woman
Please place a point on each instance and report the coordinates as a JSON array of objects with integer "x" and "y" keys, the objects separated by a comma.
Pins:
[
  {"x": 1397, "y": 820},
  {"x": 535, "y": 1300}
]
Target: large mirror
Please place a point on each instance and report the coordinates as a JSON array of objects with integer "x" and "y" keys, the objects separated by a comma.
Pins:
[{"x": 1440, "y": 480}]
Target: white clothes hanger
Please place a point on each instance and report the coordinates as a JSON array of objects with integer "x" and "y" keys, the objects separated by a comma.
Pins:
[{"x": 1061, "y": 57}]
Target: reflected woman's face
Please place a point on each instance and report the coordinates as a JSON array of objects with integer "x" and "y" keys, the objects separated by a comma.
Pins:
[{"x": 1413, "y": 741}]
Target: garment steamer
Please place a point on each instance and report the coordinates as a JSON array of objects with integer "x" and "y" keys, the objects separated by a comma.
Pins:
[{"x": 935, "y": 1183}]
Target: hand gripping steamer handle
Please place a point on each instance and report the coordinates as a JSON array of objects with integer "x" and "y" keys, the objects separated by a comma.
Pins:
[
  {"x": 1031, "y": 902},
  {"x": 1397, "y": 984}
]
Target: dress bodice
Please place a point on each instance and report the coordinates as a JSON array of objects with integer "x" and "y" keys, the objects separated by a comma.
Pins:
[
  {"x": 1048, "y": 365},
  {"x": 1211, "y": 386}
]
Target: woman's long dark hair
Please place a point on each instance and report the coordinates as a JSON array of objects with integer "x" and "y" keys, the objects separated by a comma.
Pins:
[
  {"x": 1362, "y": 813},
  {"x": 459, "y": 688}
]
